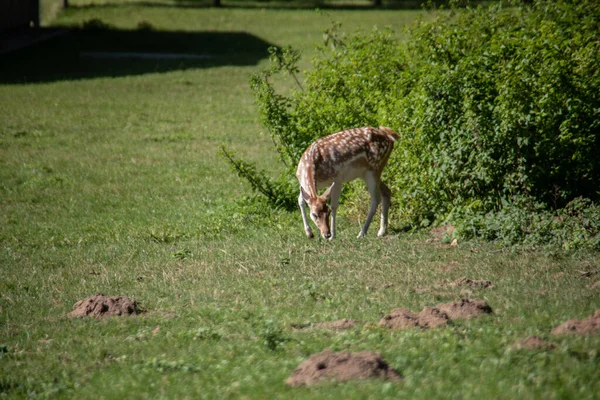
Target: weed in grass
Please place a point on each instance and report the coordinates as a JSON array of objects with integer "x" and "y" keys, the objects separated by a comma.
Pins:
[
  {"x": 182, "y": 254},
  {"x": 271, "y": 333},
  {"x": 202, "y": 333}
]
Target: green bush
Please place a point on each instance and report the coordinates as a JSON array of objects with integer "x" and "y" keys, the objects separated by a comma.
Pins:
[
  {"x": 502, "y": 103},
  {"x": 497, "y": 108}
]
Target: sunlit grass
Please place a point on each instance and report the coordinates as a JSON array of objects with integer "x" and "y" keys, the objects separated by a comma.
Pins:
[{"x": 113, "y": 184}]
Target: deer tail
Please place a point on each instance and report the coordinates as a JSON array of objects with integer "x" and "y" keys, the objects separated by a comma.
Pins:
[{"x": 393, "y": 136}]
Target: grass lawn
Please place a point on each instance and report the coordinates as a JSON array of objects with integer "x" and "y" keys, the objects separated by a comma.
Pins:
[{"x": 110, "y": 181}]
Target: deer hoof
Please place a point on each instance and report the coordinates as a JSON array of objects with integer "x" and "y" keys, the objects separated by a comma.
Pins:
[
  {"x": 309, "y": 234},
  {"x": 360, "y": 235}
]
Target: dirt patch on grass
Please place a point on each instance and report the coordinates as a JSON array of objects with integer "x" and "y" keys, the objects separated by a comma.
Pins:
[
  {"x": 403, "y": 318},
  {"x": 584, "y": 326},
  {"x": 465, "y": 308},
  {"x": 435, "y": 317},
  {"x": 533, "y": 343},
  {"x": 342, "y": 366},
  {"x": 432, "y": 317},
  {"x": 99, "y": 306},
  {"x": 400, "y": 318}
]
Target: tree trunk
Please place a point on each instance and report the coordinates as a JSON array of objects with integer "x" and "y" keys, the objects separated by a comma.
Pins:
[{"x": 35, "y": 13}]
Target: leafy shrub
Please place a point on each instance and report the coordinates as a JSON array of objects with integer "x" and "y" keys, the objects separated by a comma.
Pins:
[
  {"x": 502, "y": 103},
  {"x": 498, "y": 111}
]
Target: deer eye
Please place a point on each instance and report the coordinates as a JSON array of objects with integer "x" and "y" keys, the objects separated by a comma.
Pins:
[{"x": 314, "y": 215}]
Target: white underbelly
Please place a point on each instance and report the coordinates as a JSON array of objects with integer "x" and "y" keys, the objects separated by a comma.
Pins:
[{"x": 344, "y": 175}]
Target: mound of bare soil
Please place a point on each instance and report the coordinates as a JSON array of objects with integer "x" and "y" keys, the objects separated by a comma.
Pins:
[
  {"x": 465, "y": 308},
  {"x": 342, "y": 366},
  {"x": 434, "y": 317},
  {"x": 584, "y": 326},
  {"x": 532, "y": 343},
  {"x": 402, "y": 318},
  {"x": 100, "y": 305},
  {"x": 340, "y": 325}
]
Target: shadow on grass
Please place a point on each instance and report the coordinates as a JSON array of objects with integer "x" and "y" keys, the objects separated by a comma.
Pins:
[
  {"x": 361, "y": 5},
  {"x": 109, "y": 52}
]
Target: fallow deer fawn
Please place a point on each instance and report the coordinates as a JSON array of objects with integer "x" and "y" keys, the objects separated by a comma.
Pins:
[{"x": 342, "y": 157}]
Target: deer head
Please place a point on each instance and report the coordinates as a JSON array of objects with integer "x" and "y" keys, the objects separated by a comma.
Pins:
[{"x": 319, "y": 210}]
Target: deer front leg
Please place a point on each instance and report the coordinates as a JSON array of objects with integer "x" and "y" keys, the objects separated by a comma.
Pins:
[
  {"x": 386, "y": 196},
  {"x": 302, "y": 205},
  {"x": 335, "y": 200},
  {"x": 373, "y": 186}
]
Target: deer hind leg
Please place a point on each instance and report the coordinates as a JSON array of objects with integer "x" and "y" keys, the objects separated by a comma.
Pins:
[
  {"x": 373, "y": 184},
  {"x": 386, "y": 196},
  {"x": 302, "y": 204}
]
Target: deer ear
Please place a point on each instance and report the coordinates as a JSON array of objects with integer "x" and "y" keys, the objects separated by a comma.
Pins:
[
  {"x": 327, "y": 193},
  {"x": 305, "y": 195}
]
